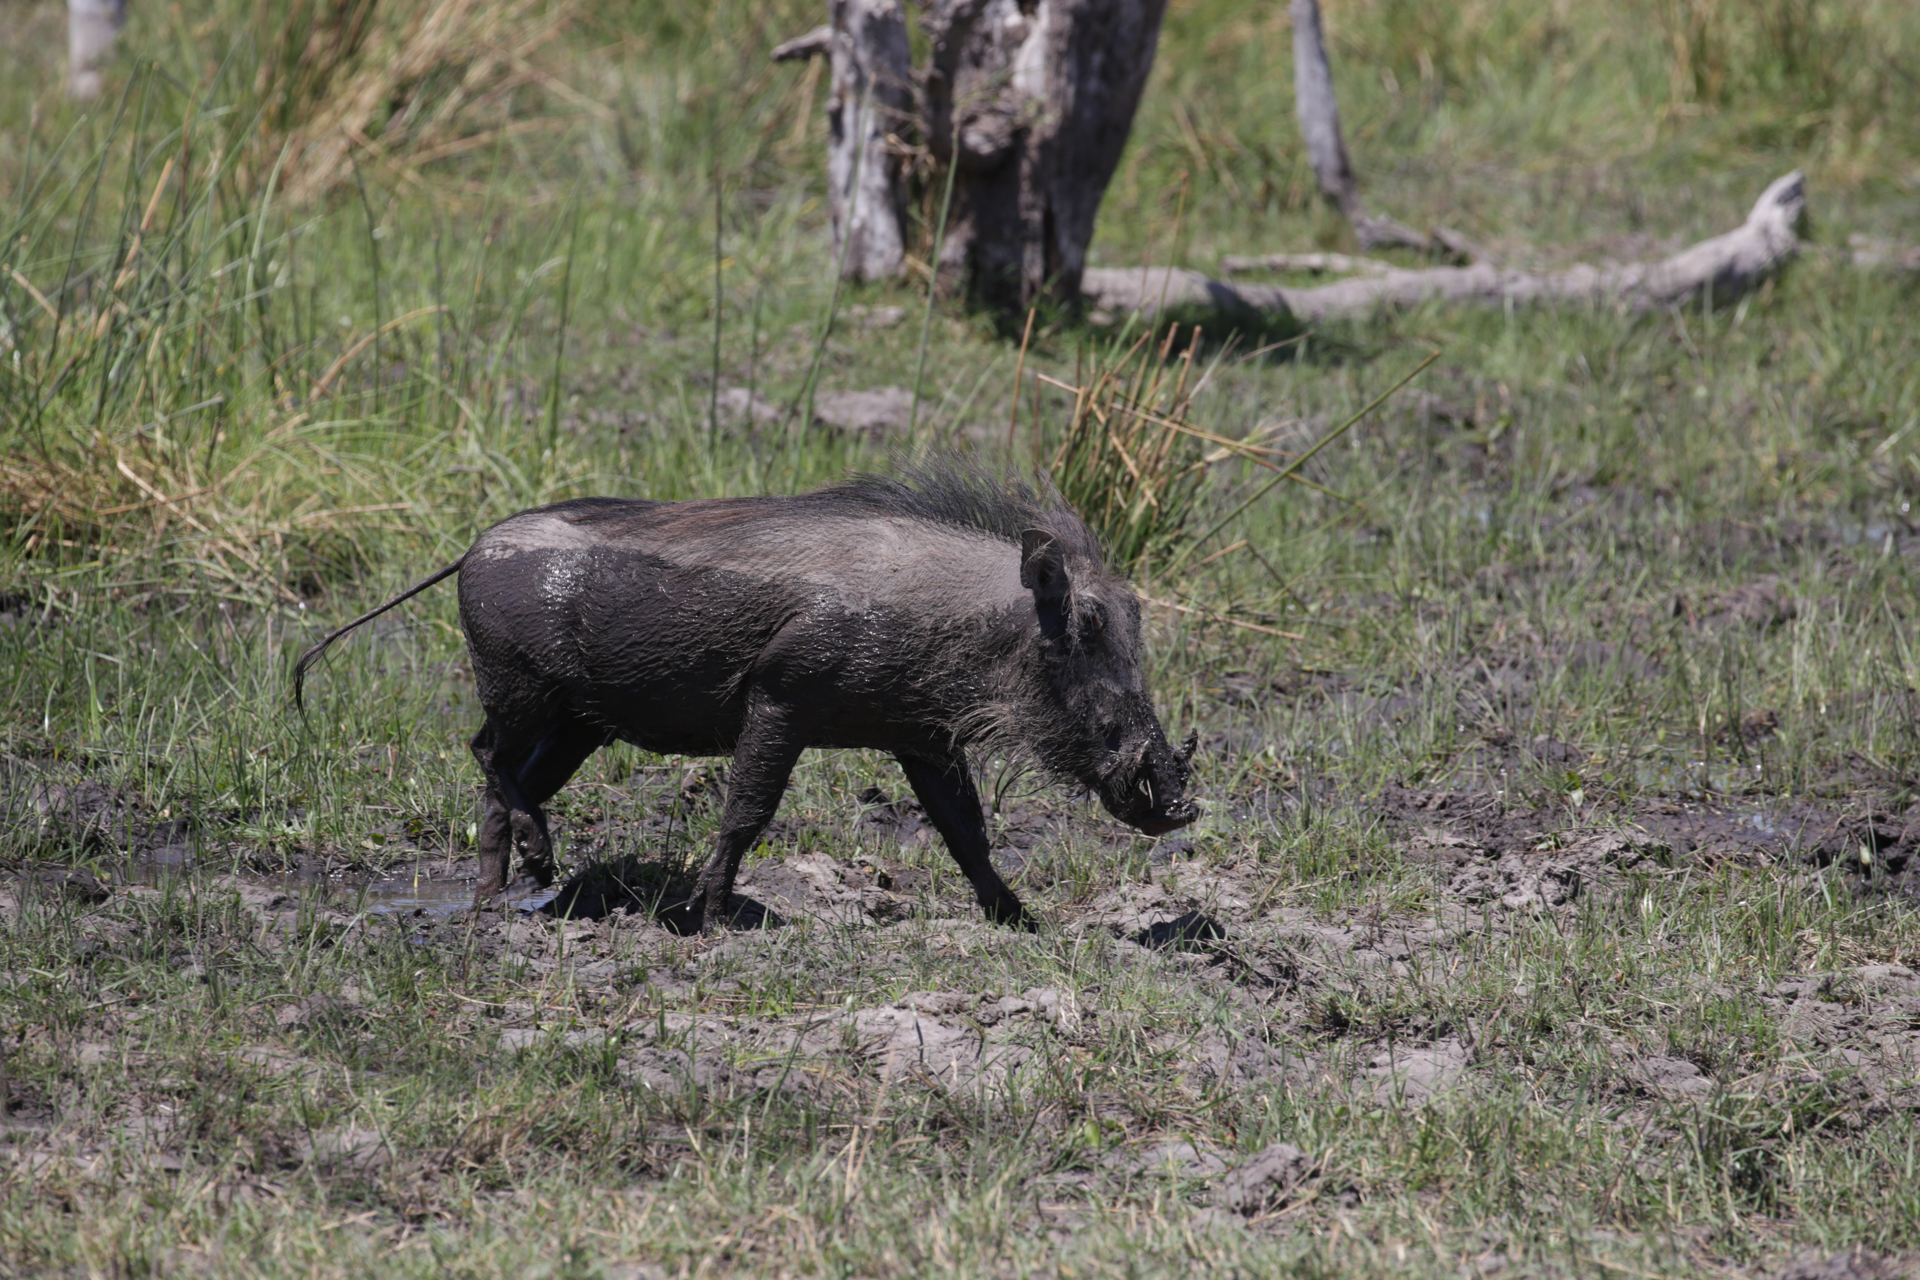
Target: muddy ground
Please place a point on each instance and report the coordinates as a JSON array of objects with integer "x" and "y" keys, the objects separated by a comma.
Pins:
[{"x": 1453, "y": 958}]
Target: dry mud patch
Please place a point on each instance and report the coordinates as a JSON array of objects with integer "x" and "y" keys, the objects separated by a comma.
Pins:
[
  {"x": 1345, "y": 1003},
  {"x": 1180, "y": 1003}
]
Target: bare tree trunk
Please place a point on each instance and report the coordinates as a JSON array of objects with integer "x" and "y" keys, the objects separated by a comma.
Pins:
[
  {"x": 1029, "y": 100},
  {"x": 92, "y": 28},
  {"x": 1319, "y": 111},
  {"x": 1033, "y": 104},
  {"x": 1719, "y": 270},
  {"x": 870, "y": 102}
]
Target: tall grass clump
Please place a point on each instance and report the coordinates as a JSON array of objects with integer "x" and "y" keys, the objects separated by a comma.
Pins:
[
  {"x": 175, "y": 406},
  {"x": 294, "y": 302},
  {"x": 1129, "y": 456},
  {"x": 332, "y": 85},
  {"x": 1128, "y": 460},
  {"x": 399, "y": 82}
]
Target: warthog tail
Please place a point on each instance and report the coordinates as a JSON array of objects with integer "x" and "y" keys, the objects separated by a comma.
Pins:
[{"x": 312, "y": 655}]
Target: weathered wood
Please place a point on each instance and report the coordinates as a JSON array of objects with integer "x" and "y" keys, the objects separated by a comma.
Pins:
[
  {"x": 1332, "y": 264},
  {"x": 869, "y": 107},
  {"x": 817, "y": 43},
  {"x": 1026, "y": 104},
  {"x": 1719, "y": 270},
  {"x": 1115, "y": 291},
  {"x": 92, "y": 28},
  {"x": 1033, "y": 104},
  {"x": 1445, "y": 242},
  {"x": 1318, "y": 110}
]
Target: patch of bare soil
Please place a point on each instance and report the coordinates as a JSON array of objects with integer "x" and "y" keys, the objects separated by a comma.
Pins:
[
  {"x": 1288, "y": 966},
  {"x": 1327, "y": 1003},
  {"x": 1218, "y": 923}
]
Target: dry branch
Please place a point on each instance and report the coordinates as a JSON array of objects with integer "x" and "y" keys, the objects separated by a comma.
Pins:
[
  {"x": 1330, "y": 264},
  {"x": 1319, "y": 112},
  {"x": 817, "y": 43},
  {"x": 870, "y": 102},
  {"x": 1720, "y": 269}
]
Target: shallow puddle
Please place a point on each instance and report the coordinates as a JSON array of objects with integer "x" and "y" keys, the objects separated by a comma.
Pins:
[
  {"x": 1718, "y": 780},
  {"x": 414, "y": 891}
]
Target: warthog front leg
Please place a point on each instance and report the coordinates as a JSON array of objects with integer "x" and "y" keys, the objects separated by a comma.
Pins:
[
  {"x": 947, "y": 793},
  {"x": 763, "y": 760}
]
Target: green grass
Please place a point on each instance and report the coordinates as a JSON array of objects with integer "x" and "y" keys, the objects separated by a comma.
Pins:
[{"x": 1572, "y": 536}]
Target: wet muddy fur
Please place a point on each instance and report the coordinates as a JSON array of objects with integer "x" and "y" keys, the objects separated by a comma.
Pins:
[{"x": 915, "y": 616}]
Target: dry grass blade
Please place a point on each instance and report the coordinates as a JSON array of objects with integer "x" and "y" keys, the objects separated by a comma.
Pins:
[
  {"x": 346, "y": 357},
  {"x": 396, "y": 79},
  {"x": 1128, "y": 459}
]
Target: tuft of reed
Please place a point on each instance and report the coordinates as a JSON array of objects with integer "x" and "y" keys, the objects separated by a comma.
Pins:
[
  {"x": 1129, "y": 457},
  {"x": 398, "y": 82}
]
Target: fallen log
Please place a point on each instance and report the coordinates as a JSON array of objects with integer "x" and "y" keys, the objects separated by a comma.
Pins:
[
  {"x": 1718, "y": 270},
  {"x": 1326, "y": 264}
]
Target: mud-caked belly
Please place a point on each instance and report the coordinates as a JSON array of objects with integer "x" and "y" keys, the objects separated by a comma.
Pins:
[
  {"x": 644, "y": 651},
  {"x": 670, "y": 643}
]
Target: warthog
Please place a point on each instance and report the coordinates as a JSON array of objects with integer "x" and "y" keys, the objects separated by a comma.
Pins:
[{"x": 914, "y": 616}]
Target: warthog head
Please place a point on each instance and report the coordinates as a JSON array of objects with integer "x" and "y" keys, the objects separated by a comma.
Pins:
[{"x": 1086, "y": 711}]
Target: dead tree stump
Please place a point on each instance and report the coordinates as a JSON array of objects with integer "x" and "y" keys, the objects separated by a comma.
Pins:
[
  {"x": 870, "y": 109},
  {"x": 1029, "y": 100},
  {"x": 1033, "y": 103}
]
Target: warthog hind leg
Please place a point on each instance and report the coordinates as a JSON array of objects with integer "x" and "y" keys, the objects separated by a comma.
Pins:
[{"x": 523, "y": 771}]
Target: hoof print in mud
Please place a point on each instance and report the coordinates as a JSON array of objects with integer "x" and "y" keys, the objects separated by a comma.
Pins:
[{"x": 1193, "y": 931}]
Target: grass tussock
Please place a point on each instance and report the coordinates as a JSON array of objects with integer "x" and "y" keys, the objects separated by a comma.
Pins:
[
  {"x": 396, "y": 83},
  {"x": 161, "y": 402},
  {"x": 1129, "y": 458},
  {"x": 176, "y": 406}
]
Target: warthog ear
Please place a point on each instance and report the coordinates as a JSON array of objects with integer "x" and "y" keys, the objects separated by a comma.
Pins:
[{"x": 1043, "y": 567}]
